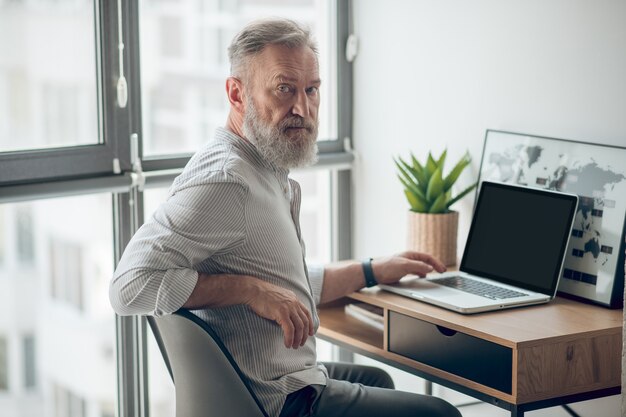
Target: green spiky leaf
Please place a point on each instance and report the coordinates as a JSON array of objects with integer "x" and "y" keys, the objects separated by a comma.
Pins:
[
  {"x": 435, "y": 186},
  {"x": 456, "y": 171},
  {"x": 415, "y": 203},
  {"x": 413, "y": 189},
  {"x": 442, "y": 159},
  {"x": 416, "y": 163},
  {"x": 404, "y": 172},
  {"x": 431, "y": 165},
  {"x": 439, "y": 205},
  {"x": 461, "y": 195},
  {"x": 421, "y": 173}
]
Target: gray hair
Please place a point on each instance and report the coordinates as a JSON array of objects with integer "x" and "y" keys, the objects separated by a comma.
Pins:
[{"x": 258, "y": 34}]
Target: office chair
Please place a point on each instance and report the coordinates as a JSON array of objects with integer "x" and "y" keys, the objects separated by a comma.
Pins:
[{"x": 207, "y": 380}]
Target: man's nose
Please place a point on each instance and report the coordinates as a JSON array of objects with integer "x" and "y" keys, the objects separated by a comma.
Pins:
[{"x": 301, "y": 105}]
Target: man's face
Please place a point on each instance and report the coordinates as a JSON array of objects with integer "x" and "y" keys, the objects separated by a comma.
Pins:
[{"x": 282, "y": 101}]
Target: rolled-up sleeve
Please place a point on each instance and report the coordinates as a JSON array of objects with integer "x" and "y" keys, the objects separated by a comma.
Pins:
[
  {"x": 157, "y": 274},
  {"x": 316, "y": 278}
]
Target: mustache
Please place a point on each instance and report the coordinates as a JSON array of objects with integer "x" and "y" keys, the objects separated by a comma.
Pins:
[{"x": 296, "y": 121}]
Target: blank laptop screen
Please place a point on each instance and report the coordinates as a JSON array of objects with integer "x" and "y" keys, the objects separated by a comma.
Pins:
[{"x": 519, "y": 236}]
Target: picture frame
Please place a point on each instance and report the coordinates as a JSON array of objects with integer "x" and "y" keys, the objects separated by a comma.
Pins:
[{"x": 594, "y": 263}]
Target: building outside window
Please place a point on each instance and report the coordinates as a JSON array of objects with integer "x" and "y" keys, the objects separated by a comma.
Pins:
[
  {"x": 25, "y": 235},
  {"x": 56, "y": 317},
  {"x": 30, "y": 362},
  {"x": 4, "y": 364},
  {"x": 66, "y": 272},
  {"x": 68, "y": 403},
  {"x": 44, "y": 105}
]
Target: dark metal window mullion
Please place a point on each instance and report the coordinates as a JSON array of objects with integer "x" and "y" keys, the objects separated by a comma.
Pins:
[
  {"x": 131, "y": 334},
  {"x": 341, "y": 189}
]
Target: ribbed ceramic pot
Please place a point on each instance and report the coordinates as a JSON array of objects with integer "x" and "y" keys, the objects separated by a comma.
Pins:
[{"x": 434, "y": 234}]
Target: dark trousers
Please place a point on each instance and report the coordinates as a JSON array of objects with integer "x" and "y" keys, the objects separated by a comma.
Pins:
[{"x": 362, "y": 391}]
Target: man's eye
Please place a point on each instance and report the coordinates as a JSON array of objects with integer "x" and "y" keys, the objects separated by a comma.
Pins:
[
  {"x": 312, "y": 90},
  {"x": 284, "y": 88}
]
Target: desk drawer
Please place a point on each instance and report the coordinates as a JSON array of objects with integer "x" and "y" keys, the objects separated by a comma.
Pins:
[{"x": 467, "y": 356}]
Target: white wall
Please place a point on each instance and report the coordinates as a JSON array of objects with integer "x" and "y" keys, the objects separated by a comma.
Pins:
[{"x": 436, "y": 74}]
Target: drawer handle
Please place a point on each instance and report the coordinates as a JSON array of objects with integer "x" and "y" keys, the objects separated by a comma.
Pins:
[{"x": 445, "y": 331}]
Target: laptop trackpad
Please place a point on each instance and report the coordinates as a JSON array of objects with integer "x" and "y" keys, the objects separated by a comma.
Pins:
[{"x": 422, "y": 289}]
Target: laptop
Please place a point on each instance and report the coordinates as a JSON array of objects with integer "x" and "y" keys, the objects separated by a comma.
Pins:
[{"x": 513, "y": 256}]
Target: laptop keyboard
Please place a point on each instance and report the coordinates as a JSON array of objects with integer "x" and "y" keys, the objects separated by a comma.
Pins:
[{"x": 478, "y": 287}]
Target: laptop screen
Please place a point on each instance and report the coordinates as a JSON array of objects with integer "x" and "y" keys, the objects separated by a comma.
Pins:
[{"x": 519, "y": 236}]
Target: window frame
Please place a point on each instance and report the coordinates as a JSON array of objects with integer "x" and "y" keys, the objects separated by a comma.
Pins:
[
  {"x": 78, "y": 170},
  {"x": 83, "y": 161}
]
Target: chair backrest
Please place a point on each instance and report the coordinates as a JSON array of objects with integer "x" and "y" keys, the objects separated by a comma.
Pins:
[{"x": 207, "y": 380}]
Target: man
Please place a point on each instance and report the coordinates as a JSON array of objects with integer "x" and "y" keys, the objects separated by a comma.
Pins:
[{"x": 227, "y": 242}]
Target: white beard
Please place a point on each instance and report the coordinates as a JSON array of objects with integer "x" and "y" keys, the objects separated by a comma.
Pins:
[{"x": 275, "y": 145}]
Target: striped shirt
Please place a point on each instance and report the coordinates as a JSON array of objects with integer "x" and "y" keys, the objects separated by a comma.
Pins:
[{"x": 229, "y": 212}]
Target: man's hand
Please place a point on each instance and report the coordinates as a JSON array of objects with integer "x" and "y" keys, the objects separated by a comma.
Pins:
[
  {"x": 343, "y": 278},
  {"x": 391, "y": 269},
  {"x": 282, "y": 306},
  {"x": 267, "y": 300}
]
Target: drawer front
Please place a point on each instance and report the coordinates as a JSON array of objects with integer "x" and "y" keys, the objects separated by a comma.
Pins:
[{"x": 467, "y": 356}]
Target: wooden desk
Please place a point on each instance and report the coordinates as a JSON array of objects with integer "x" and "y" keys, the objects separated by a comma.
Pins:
[{"x": 520, "y": 359}]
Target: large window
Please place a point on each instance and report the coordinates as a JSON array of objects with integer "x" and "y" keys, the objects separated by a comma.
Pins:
[
  {"x": 59, "y": 117},
  {"x": 184, "y": 64},
  {"x": 77, "y": 79}
]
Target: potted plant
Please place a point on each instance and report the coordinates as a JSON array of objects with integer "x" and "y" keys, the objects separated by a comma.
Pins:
[{"x": 432, "y": 226}]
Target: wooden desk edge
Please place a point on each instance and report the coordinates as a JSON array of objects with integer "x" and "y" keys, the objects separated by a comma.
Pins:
[{"x": 530, "y": 383}]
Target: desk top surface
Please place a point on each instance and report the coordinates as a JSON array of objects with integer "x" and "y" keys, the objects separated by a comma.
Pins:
[{"x": 560, "y": 319}]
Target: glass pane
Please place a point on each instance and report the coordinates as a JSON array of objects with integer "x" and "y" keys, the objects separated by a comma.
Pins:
[
  {"x": 60, "y": 339},
  {"x": 315, "y": 226},
  {"x": 48, "y": 86},
  {"x": 184, "y": 65},
  {"x": 315, "y": 214}
]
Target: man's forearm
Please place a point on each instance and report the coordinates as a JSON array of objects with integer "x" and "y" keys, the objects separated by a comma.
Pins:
[
  {"x": 341, "y": 279},
  {"x": 266, "y": 300},
  {"x": 222, "y": 290}
]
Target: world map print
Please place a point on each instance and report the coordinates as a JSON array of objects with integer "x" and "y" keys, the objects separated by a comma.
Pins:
[{"x": 597, "y": 174}]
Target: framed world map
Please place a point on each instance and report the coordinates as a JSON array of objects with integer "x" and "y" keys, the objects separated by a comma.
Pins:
[{"x": 594, "y": 264}]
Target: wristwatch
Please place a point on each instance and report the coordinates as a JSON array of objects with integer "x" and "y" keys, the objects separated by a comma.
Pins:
[{"x": 370, "y": 280}]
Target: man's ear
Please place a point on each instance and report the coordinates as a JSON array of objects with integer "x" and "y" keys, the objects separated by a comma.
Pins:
[{"x": 234, "y": 91}]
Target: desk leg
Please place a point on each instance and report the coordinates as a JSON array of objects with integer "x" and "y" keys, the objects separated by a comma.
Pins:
[{"x": 515, "y": 412}]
